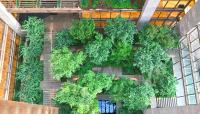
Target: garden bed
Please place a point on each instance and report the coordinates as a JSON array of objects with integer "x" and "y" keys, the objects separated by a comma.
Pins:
[
  {"x": 90, "y": 63},
  {"x": 112, "y": 4},
  {"x": 99, "y": 61}
]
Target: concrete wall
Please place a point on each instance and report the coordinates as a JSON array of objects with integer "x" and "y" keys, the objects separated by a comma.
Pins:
[
  {"x": 191, "y": 19},
  {"x": 192, "y": 109}
]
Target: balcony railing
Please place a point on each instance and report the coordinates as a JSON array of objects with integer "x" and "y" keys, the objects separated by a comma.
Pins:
[{"x": 41, "y": 3}]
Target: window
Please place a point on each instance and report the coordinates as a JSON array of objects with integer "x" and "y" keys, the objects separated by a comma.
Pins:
[{"x": 107, "y": 107}]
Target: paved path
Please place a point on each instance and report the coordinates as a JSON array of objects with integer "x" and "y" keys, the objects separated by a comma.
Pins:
[{"x": 53, "y": 24}]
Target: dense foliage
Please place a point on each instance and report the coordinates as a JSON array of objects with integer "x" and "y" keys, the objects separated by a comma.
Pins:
[
  {"x": 160, "y": 34},
  {"x": 63, "y": 39},
  {"x": 164, "y": 82},
  {"x": 126, "y": 91},
  {"x": 30, "y": 75},
  {"x": 111, "y": 4},
  {"x": 120, "y": 45},
  {"x": 120, "y": 29},
  {"x": 64, "y": 62},
  {"x": 98, "y": 50},
  {"x": 81, "y": 96},
  {"x": 34, "y": 38},
  {"x": 141, "y": 94},
  {"x": 150, "y": 57},
  {"x": 82, "y": 30},
  {"x": 30, "y": 70},
  {"x": 121, "y": 52},
  {"x": 95, "y": 82}
]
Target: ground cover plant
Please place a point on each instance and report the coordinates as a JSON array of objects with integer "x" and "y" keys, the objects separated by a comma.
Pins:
[{"x": 30, "y": 69}]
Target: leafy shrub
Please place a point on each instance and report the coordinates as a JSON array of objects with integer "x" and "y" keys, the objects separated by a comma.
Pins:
[
  {"x": 141, "y": 95},
  {"x": 79, "y": 98},
  {"x": 160, "y": 34},
  {"x": 111, "y": 4},
  {"x": 95, "y": 82},
  {"x": 84, "y": 3},
  {"x": 64, "y": 62},
  {"x": 35, "y": 31},
  {"x": 150, "y": 57},
  {"x": 121, "y": 52},
  {"x": 120, "y": 29},
  {"x": 98, "y": 50},
  {"x": 126, "y": 91},
  {"x": 82, "y": 30},
  {"x": 119, "y": 88},
  {"x": 30, "y": 75},
  {"x": 82, "y": 95},
  {"x": 164, "y": 82},
  {"x": 30, "y": 71},
  {"x": 63, "y": 39}
]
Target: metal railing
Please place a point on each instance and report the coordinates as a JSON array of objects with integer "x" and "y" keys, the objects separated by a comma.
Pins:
[
  {"x": 166, "y": 102},
  {"x": 41, "y": 3}
]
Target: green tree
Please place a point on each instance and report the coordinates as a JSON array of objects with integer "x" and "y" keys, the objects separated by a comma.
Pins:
[
  {"x": 120, "y": 29},
  {"x": 163, "y": 35},
  {"x": 79, "y": 98},
  {"x": 121, "y": 52},
  {"x": 82, "y": 30},
  {"x": 63, "y": 39},
  {"x": 98, "y": 50},
  {"x": 119, "y": 88},
  {"x": 95, "y": 82},
  {"x": 164, "y": 82},
  {"x": 150, "y": 57},
  {"x": 126, "y": 91},
  {"x": 64, "y": 62},
  {"x": 141, "y": 94}
]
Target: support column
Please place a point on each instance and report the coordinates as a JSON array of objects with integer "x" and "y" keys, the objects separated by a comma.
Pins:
[
  {"x": 10, "y": 20},
  {"x": 147, "y": 12}
]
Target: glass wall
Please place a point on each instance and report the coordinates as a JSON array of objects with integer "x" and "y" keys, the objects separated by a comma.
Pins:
[{"x": 187, "y": 69}]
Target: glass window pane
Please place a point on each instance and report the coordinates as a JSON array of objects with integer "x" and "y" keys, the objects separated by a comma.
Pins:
[
  {"x": 192, "y": 99},
  {"x": 189, "y": 79},
  {"x": 196, "y": 65},
  {"x": 194, "y": 35},
  {"x": 187, "y": 70},
  {"x": 190, "y": 89},
  {"x": 197, "y": 54},
  {"x": 177, "y": 70},
  {"x": 197, "y": 76},
  {"x": 179, "y": 88},
  {"x": 185, "y": 52},
  {"x": 184, "y": 43},
  {"x": 181, "y": 101},
  {"x": 195, "y": 45},
  {"x": 186, "y": 61}
]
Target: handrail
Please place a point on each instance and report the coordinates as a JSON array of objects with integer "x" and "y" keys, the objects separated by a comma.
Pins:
[{"x": 41, "y": 3}]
